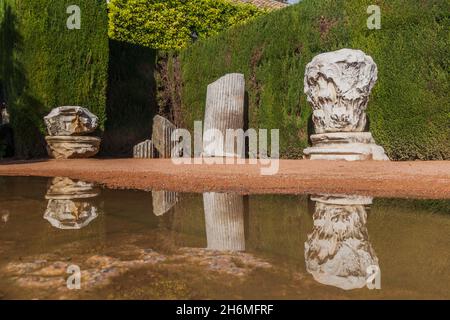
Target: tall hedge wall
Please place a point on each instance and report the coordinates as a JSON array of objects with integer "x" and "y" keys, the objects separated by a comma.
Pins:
[
  {"x": 409, "y": 109},
  {"x": 45, "y": 65}
]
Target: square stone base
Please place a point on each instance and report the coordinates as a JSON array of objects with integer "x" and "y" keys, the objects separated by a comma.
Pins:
[{"x": 350, "y": 146}]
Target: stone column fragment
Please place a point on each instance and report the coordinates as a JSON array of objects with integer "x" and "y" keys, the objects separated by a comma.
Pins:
[
  {"x": 144, "y": 150},
  {"x": 224, "y": 110}
]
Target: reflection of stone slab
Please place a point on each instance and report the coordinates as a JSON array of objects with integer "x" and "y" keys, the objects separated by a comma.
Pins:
[
  {"x": 66, "y": 189},
  {"x": 69, "y": 120},
  {"x": 161, "y": 136},
  {"x": 224, "y": 217},
  {"x": 224, "y": 110},
  {"x": 72, "y": 147},
  {"x": 68, "y": 214},
  {"x": 338, "y": 251},
  {"x": 144, "y": 150},
  {"x": 163, "y": 201},
  {"x": 338, "y": 85}
]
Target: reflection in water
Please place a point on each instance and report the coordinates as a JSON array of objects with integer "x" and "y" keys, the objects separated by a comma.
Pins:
[
  {"x": 163, "y": 201},
  {"x": 5, "y": 216},
  {"x": 224, "y": 217},
  {"x": 338, "y": 251},
  {"x": 68, "y": 203}
]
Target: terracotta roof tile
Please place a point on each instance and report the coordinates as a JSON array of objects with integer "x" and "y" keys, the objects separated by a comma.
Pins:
[{"x": 267, "y": 4}]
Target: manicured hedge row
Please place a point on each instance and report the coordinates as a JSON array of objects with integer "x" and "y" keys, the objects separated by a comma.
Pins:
[
  {"x": 45, "y": 65},
  {"x": 172, "y": 24},
  {"x": 409, "y": 110}
]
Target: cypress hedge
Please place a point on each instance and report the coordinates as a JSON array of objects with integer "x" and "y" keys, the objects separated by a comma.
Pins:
[
  {"x": 45, "y": 65},
  {"x": 409, "y": 109}
]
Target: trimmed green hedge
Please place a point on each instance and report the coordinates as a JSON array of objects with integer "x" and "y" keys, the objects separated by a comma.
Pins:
[
  {"x": 169, "y": 24},
  {"x": 409, "y": 109},
  {"x": 45, "y": 65}
]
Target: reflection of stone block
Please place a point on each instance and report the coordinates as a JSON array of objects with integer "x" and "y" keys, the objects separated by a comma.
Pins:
[
  {"x": 224, "y": 110},
  {"x": 68, "y": 121},
  {"x": 338, "y": 251},
  {"x": 161, "y": 136},
  {"x": 224, "y": 217},
  {"x": 62, "y": 188},
  {"x": 69, "y": 206},
  {"x": 163, "y": 201},
  {"x": 144, "y": 150},
  {"x": 72, "y": 147}
]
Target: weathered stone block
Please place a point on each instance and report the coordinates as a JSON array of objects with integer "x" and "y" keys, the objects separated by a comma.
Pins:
[
  {"x": 70, "y": 120},
  {"x": 72, "y": 147},
  {"x": 161, "y": 136}
]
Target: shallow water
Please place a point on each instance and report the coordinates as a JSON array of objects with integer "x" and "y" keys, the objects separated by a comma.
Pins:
[{"x": 166, "y": 245}]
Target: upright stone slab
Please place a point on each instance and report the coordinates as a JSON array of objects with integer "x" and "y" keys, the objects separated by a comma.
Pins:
[
  {"x": 224, "y": 110},
  {"x": 338, "y": 251},
  {"x": 161, "y": 136},
  {"x": 338, "y": 85},
  {"x": 163, "y": 201},
  {"x": 224, "y": 217},
  {"x": 144, "y": 150}
]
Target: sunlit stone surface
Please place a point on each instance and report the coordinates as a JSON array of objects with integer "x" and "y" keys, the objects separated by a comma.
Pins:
[
  {"x": 338, "y": 251},
  {"x": 67, "y": 127},
  {"x": 68, "y": 203},
  {"x": 161, "y": 136},
  {"x": 144, "y": 150},
  {"x": 70, "y": 120},
  {"x": 224, "y": 217},
  {"x": 72, "y": 147},
  {"x": 338, "y": 85},
  {"x": 224, "y": 110}
]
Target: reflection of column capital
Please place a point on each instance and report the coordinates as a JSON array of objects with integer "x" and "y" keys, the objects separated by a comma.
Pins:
[
  {"x": 68, "y": 203},
  {"x": 338, "y": 250},
  {"x": 224, "y": 217},
  {"x": 68, "y": 214}
]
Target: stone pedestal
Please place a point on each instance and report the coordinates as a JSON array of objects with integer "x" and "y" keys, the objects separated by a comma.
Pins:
[
  {"x": 72, "y": 147},
  {"x": 338, "y": 85},
  {"x": 344, "y": 146},
  {"x": 67, "y": 127}
]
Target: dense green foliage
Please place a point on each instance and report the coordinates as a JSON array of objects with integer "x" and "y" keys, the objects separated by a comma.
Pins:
[
  {"x": 409, "y": 109},
  {"x": 45, "y": 65},
  {"x": 131, "y": 99},
  {"x": 169, "y": 24}
]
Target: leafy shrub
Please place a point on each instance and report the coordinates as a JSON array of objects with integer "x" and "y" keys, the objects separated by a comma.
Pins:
[
  {"x": 409, "y": 109},
  {"x": 170, "y": 24}
]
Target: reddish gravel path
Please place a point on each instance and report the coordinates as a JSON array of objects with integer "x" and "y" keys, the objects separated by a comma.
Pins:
[{"x": 421, "y": 179}]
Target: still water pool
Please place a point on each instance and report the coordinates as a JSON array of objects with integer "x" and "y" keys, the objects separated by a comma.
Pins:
[{"x": 165, "y": 245}]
